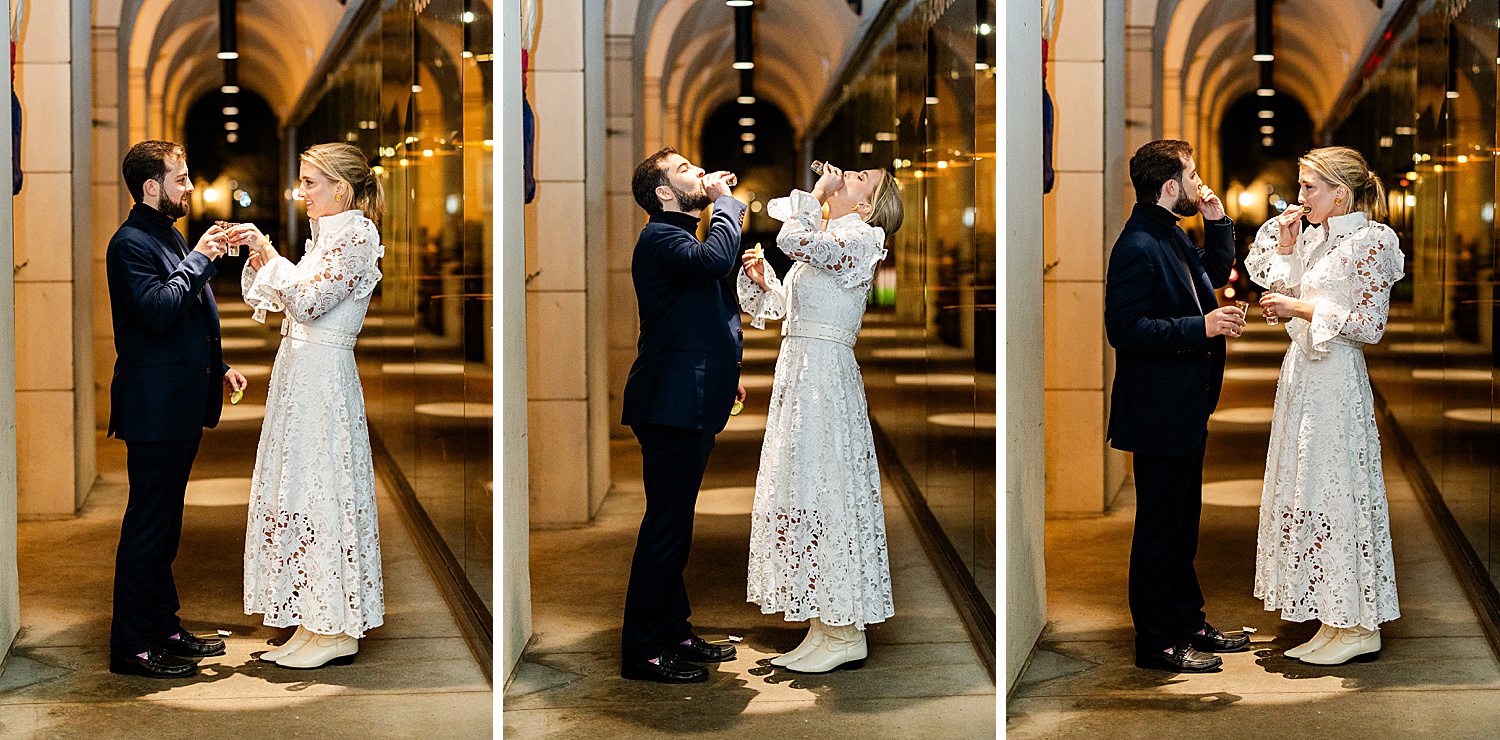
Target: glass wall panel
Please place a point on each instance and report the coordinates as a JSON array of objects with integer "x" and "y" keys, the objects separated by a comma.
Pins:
[
  {"x": 921, "y": 103},
  {"x": 413, "y": 91},
  {"x": 1426, "y": 116}
]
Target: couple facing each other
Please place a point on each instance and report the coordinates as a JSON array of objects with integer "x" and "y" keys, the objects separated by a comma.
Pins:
[
  {"x": 1324, "y": 543},
  {"x": 817, "y": 532},
  {"x": 312, "y": 547}
]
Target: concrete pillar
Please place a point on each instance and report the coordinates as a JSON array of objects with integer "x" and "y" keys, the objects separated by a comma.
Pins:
[
  {"x": 10, "y": 582},
  {"x": 109, "y": 198},
  {"x": 511, "y": 421},
  {"x": 1088, "y": 87},
  {"x": 567, "y": 351},
  {"x": 1019, "y": 440},
  {"x": 54, "y": 272},
  {"x": 625, "y": 220}
]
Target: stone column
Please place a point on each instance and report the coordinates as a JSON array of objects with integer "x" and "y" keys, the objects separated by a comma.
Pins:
[
  {"x": 566, "y": 350},
  {"x": 1088, "y": 89},
  {"x": 54, "y": 314},
  {"x": 625, "y": 221},
  {"x": 510, "y": 396},
  {"x": 1019, "y": 227},
  {"x": 109, "y": 198},
  {"x": 10, "y": 582}
]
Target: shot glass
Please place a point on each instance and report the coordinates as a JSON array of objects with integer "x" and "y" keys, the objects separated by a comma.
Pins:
[
  {"x": 233, "y": 250},
  {"x": 1244, "y": 307},
  {"x": 1271, "y": 318}
]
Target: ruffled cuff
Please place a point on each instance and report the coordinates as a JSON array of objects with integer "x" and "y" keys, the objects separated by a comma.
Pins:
[
  {"x": 800, "y": 205},
  {"x": 762, "y": 304},
  {"x": 261, "y": 288},
  {"x": 1316, "y": 336}
]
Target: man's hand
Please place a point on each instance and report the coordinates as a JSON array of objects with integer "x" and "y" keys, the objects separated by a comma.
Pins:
[
  {"x": 830, "y": 182},
  {"x": 212, "y": 243},
  {"x": 234, "y": 381},
  {"x": 1209, "y": 204},
  {"x": 719, "y": 184},
  {"x": 739, "y": 395},
  {"x": 1228, "y": 321}
]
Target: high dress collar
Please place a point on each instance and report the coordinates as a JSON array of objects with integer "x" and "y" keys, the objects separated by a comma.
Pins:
[
  {"x": 334, "y": 222},
  {"x": 1348, "y": 223}
]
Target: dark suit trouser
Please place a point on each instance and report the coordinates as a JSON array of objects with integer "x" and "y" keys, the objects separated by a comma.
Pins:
[
  {"x": 1165, "y": 600},
  {"x": 145, "y": 606},
  {"x": 656, "y": 601}
]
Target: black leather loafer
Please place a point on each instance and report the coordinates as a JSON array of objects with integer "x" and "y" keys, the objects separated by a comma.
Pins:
[
  {"x": 699, "y": 650},
  {"x": 1183, "y": 659},
  {"x": 1210, "y": 640},
  {"x": 187, "y": 645},
  {"x": 669, "y": 670},
  {"x": 158, "y": 663}
]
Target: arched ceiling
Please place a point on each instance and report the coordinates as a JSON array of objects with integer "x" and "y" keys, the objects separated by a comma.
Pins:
[
  {"x": 1207, "y": 44},
  {"x": 688, "y": 47},
  {"x": 171, "y": 47}
]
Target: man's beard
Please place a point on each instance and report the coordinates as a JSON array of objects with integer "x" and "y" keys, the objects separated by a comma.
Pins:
[
  {"x": 694, "y": 201},
  {"x": 1185, "y": 206},
  {"x": 173, "y": 208}
]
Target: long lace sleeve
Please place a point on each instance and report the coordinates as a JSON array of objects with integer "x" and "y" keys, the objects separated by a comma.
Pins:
[
  {"x": 849, "y": 247},
  {"x": 1374, "y": 255},
  {"x": 1281, "y": 273},
  {"x": 762, "y": 303},
  {"x": 345, "y": 268}
]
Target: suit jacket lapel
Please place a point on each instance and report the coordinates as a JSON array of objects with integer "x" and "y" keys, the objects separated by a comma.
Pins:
[{"x": 1171, "y": 254}]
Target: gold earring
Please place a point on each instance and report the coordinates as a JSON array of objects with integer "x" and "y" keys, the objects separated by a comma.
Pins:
[{"x": 1337, "y": 201}]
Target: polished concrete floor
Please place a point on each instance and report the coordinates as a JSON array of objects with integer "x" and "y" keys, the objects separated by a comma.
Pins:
[
  {"x": 1436, "y": 677},
  {"x": 414, "y": 675},
  {"x": 923, "y": 677}
]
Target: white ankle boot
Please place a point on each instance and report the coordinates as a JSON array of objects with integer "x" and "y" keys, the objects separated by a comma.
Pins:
[
  {"x": 841, "y": 647},
  {"x": 1354, "y": 643},
  {"x": 1324, "y": 636},
  {"x": 292, "y": 644},
  {"x": 813, "y": 639},
  {"x": 320, "y": 650}
]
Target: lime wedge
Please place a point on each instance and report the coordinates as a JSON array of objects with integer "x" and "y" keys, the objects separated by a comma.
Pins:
[
  {"x": 736, "y": 408},
  {"x": 236, "y": 396}
]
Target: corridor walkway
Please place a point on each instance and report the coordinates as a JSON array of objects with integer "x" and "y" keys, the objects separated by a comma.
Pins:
[
  {"x": 923, "y": 678},
  {"x": 1436, "y": 677},
  {"x": 414, "y": 676}
]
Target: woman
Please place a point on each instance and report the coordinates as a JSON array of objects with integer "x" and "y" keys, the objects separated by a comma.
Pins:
[
  {"x": 1325, "y": 537},
  {"x": 312, "y": 545},
  {"x": 817, "y": 531}
]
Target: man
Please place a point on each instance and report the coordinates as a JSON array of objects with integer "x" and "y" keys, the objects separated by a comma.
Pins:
[
  {"x": 165, "y": 390},
  {"x": 684, "y": 380},
  {"x": 1162, "y": 318}
]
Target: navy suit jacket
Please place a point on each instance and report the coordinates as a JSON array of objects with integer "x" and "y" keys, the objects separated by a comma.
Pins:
[
  {"x": 169, "y": 364},
  {"x": 687, "y": 366},
  {"x": 1167, "y": 373}
]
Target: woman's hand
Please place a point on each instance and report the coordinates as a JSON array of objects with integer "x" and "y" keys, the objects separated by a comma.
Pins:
[
  {"x": 1289, "y": 228},
  {"x": 1285, "y": 307},
  {"x": 829, "y": 183},
  {"x": 261, "y": 251},
  {"x": 755, "y": 268}
]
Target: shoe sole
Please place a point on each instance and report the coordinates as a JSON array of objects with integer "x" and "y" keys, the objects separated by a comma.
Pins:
[
  {"x": 852, "y": 665},
  {"x": 1361, "y": 658},
  {"x": 1151, "y": 666},
  {"x": 341, "y": 660},
  {"x": 134, "y": 670},
  {"x": 643, "y": 676},
  {"x": 199, "y": 656}
]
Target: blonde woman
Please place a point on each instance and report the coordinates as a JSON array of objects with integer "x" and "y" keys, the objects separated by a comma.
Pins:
[
  {"x": 817, "y": 530},
  {"x": 1325, "y": 539},
  {"x": 312, "y": 543}
]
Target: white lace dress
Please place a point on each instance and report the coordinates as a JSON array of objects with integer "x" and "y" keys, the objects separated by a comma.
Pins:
[
  {"x": 1324, "y": 548},
  {"x": 312, "y": 541},
  {"x": 817, "y": 529}
]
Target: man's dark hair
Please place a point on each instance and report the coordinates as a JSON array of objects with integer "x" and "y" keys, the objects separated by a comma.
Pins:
[
  {"x": 1156, "y": 163},
  {"x": 148, "y": 161},
  {"x": 648, "y": 176}
]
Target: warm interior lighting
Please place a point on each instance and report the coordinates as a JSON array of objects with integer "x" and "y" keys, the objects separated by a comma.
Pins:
[
  {"x": 1263, "y": 57},
  {"x": 1267, "y": 141},
  {"x": 468, "y": 16},
  {"x": 1265, "y": 92},
  {"x": 1463, "y": 159},
  {"x": 227, "y": 55},
  {"x": 747, "y": 121},
  {"x": 230, "y": 89},
  {"x": 1247, "y": 199},
  {"x": 743, "y": 65},
  {"x": 231, "y": 111},
  {"x": 745, "y": 99},
  {"x": 231, "y": 126},
  {"x": 932, "y": 100},
  {"x": 426, "y": 152},
  {"x": 739, "y": 3},
  {"x": 747, "y": 136},
  {"x": 404, "y": 162},
  {"x": 981, "y": 66},
  {"x": 211, "y": 195},
  {"x": 748, "y": 149},
  {"x": 1268, "y": 130},
  {"x": 416, "y": 88},
  {"x": 231, "y": 137},
  {"x": 1267, "y": 114}
]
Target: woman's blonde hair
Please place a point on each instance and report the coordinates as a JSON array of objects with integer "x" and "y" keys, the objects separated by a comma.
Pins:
[
  {"x": 347, "y": 164},
  {"x": 885, "y": 206},
  {"x": 1340, "y": 165}
]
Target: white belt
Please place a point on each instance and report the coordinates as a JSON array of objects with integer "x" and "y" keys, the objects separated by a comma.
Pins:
[
  {"x": 814, "y": 330},
  {"x": 317, "y": 335}
]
